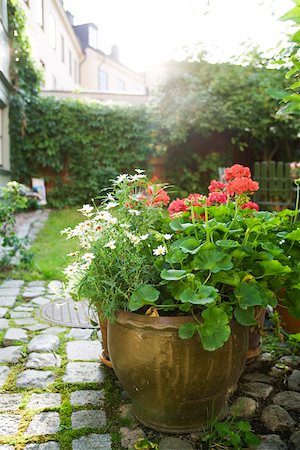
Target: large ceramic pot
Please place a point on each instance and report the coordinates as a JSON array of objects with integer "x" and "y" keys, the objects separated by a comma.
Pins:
[
  {"x": 175, "y": 385},
  {"x": 288, "y": 322}
]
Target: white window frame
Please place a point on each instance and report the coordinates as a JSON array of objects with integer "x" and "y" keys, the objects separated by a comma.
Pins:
[
  {"x": 40, "y": 12},
  {"x": 52, "y": 30},
  {"x": 102, "y": 80}
]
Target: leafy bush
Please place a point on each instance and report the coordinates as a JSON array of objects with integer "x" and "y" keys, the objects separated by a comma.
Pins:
[
  {"x": 11, "y": 201},
  {"x": 79, "y": 147}
]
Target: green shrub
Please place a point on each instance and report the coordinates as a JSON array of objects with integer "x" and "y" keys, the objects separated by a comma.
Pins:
[{"x": 79, "y": 147}]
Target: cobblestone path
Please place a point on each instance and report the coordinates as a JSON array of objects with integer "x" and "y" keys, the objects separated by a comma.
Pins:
[{"x": 51, "y": 380}]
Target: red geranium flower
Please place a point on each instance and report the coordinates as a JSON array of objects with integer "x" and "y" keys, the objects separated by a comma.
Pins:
[
  {"x": 216, "y": 186},
  {"x": 242, "y": 185},
  {"x": 236, "y": 171},
  {"x": 217, "y": 197},
  {"x": 250, "y": 205},
  {"x": 194, "y": 200},
  {"x": 177, "y": 206},
  {"x": 156, "y": 198}
]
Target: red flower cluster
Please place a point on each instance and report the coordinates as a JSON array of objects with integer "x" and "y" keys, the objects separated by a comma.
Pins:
[
  {"x": 177, "y": 206},
  {"x": 250, "y": 205},
  {"x": 236, "y": 171},
  {"x": 241, "y": 185},
  {"x": 194, "y": 200},
  {"x": 158, "y": 198},
  {"x": 217, "y": 197},
  {"x": 216, "y": 186}
]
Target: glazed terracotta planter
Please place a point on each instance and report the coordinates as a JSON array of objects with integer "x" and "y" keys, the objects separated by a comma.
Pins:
[
  {"x": 104, "y": 357},
  {"x": 175, "y": 385},
  {"x": 289, "y": 323}
]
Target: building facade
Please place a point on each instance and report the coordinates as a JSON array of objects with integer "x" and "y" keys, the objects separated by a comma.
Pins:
[
  {"x": 70, "y": 57},
  {"x": 4, "y": 95}
]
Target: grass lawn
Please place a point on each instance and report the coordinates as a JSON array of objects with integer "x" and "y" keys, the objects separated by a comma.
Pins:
[{"x": 50, "y": 248}]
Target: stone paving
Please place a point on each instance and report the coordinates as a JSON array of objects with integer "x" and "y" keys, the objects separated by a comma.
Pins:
[
  {"x": 52, "y": 388},
  {"x": 51, "y": 379}
]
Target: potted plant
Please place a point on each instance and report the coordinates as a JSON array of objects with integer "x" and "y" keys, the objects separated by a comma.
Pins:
[{"x": 180, "y": 288}]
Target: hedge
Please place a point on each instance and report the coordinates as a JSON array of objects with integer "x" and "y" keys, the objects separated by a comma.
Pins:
[{"x": 78, "y": 147}]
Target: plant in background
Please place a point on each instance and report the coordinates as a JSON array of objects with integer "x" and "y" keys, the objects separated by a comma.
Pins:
[
  {"x": 230, "y": 434},
  {"x": 12, "y": 201},
  {"x": 295, "y": 169},
  {"x": 215, "y": 258}
]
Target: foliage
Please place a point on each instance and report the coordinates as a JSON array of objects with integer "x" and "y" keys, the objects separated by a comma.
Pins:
[
  {"x": 230, "y": 434},
  {"x": 12, "y": 200},
  {"x": 78, "y": 147},
  {"x": 289, "y": 59},
  {"x": 190, "y": 171},
  {"x": 216, "y": 257},
  {"x": 143, "y": 443},
  {"x": 203, "y": 98}
]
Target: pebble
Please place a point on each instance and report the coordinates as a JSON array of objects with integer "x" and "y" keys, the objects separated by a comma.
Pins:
[
  {"x": 8, "y": 301},
  {"x": 258, "y": 377},
  {"x": 12, "y": 284},
  {"x": 295, "y": 440},
  {"x": 42, "y": 343},
  {"x": 51, "y": 445},
  {"x": 29, "y": 321},
  {"x": 9, "y": 291},
  {"x": 294, "y": 381},
  {"x": 43, "y": 423},
  {"x": 48, "y": 400},
  {"x": 14, "y": 335},
  {"x": 89, "y": 419},
  {"x": 244, "y": 407},
  {"x": 86, "y": 397},
  {"x": 292, "y": 361},
  {"x": 126, "y": 411},
  {"x": 34, "y": 378},
  {"x": 4, "y": 372},
  {"x": 276, "y": 372},
  {"x": 10, "y": 402},
  {"x": 11, "y": 355},
  {"x": 36, "y": 283},
  {"x": 174, "y": 443},
  {"x": 128, "y": 436},
  {"x": 79, "y": 333},
  {"x": 43, "y": 360},
  {"x": 83, "y": 350},
  {"x": 36, "y": 327},
  {"x": 277, "y": 419},
  {"x": 271, "y": 442},
  {"x": 20, "y": 315},
  {"x": 9, "y": 424},
  {"x": 92, "y": 442},
  {"x": 4, "y": 324},
  {"x": 88, "y": 372},
  {"x": 53, "y": 330},
  {"x": 40, "y": 301},
  {"x": 3, "y": 311},
  {"x": 258, "y": 390},
  {"x": 289, "y": 400}
]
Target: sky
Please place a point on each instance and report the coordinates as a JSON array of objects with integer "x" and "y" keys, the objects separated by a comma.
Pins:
[{"x": 149, "y": 32}]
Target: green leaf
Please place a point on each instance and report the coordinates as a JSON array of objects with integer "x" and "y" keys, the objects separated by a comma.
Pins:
[
  {"x": 251, "y": 439},
  {"x": 273, "y": 267},
  {"x": 293, "y": 14},
  {"x": 144, "y": 295},
  {"x": 271, "y": 248},
  {"x": 173, "y": 274},
  {"x": 190, "y": 245},
  {"x": 187, "y": 330},
  {"x": 175, "y": 225},
  {"x": 294, "y": 235},
  {"x": 227, "y": 243},
  {"x": 230, "y": 278},
  {"x": 203, "y": 296},
  {"x": 292, "y": 301},
  {"x": 213, "y": 260},
  {"x": 176, "y": 256},
  {"x": 245, "y": 317},
  {"x": 214, "y": 331},
  {"x": 244, "y": 426},
  {"x": 248, "y": 294}
]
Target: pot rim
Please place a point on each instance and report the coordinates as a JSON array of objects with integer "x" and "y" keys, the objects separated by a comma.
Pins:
[{"x": 143, "y": 321}]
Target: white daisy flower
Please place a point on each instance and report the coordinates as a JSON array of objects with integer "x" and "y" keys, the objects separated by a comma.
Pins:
[
  {"x": 121, "y": 178},
  {"x": 85, "y": 266},
  {"x": 160, "y": 250},
  {"x": 168, "y": 236},
  {"x": 144, "y": 237},
  {"x": 72, "y": 254},
  {"x": 88, "y": 257},
  {"x": 125, "y": 225},
  {"x": 137, "y": 177},
  {"x": 134, "y": 212},
  {"x": 133, "y": 238},
  {"x": 139, "y": 171},
  {"x": 111, "y": 205},
  {"x": 87, "y": 210},
  {"x": 111, "y": 245},
  {"x": 71, "y": 269}
]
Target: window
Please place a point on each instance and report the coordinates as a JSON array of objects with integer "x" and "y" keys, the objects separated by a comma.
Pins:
[
  {"x": 40, "y": 12},
  {"x": 62, "y": 47},
  {"x": 52, "y": 30},
  {"x": 93, "y": 37},
  {"x": 1, "y": 137},
  {"x": 70, "y": 62},
  {"x": 103, "y": 80},
  {"x": 121, "y": 85}
]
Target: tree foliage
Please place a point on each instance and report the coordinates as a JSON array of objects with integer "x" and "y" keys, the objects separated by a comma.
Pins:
[{"x": 199, "y": 97}]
